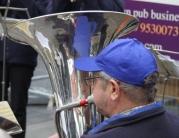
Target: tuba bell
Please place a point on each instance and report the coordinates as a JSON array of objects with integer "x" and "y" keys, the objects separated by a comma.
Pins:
[{"x": 61, "y": 38}]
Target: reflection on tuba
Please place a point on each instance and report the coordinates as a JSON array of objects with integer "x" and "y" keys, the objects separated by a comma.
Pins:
[{"x": 60, "y": 39}]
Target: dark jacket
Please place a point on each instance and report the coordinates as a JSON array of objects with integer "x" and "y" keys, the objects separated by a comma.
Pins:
[
  {"x": 108, "y": 5},
  {"x": 17, "y": 53},
  {"x": 152, "y": 123}
]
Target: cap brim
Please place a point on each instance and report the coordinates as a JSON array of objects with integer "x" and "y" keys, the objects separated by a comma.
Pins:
[{"x": 86, "y": 64}]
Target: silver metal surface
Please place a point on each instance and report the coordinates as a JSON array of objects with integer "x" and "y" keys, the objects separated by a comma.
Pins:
[{"x": 60, "y": 39}]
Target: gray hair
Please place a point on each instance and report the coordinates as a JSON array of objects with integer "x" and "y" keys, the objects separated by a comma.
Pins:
[{"x": 133, "y": 92}]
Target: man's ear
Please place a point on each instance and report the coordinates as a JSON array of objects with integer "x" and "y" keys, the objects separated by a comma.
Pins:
[{"x": 115, "y": 90}]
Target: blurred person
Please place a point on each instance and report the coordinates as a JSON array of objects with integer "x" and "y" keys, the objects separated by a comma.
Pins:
[
  {"x": 20, "y": 62},
  {"x": 66, "y": 5}
]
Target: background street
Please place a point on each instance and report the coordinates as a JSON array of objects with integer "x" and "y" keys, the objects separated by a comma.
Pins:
[{"x": 40, "y": 109}]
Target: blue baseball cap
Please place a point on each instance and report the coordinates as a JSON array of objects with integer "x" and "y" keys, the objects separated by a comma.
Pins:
[{"x": 127, "y": 60}]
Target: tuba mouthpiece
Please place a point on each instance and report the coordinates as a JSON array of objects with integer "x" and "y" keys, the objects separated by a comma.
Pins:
[{"x": 90, "y": 99}]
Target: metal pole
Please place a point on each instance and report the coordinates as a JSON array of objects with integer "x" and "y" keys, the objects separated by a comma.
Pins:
[
  {"x": 4, "y": 67},
  {"x": 4, "y": 47},
  {"x": 7, "y": 8},
  {"x": 164, "y": 86},
  {"x": 166, "y": 51},
  {"x": 27, "y": 12},
  {"x": 4, "y": 55},
  {"x": 13, "y": 8}
]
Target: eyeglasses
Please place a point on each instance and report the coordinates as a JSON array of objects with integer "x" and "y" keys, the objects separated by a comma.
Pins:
[{"x": 91, "y": 81}]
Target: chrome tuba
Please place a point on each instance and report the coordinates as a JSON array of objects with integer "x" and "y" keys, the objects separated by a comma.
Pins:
[{"x": 60, "y": 39}]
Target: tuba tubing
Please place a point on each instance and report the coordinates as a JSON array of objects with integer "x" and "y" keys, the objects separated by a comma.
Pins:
[{"x": 80, "y": 103}]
